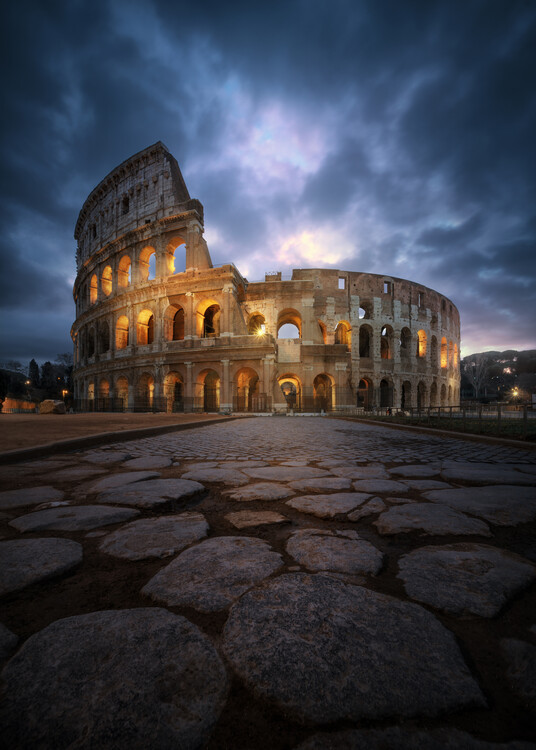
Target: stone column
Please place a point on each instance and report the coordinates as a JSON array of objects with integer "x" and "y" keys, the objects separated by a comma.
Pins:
[
  {"x": 189, "y": 387},
  {"x": 341, "y": 380},
  {"x": 226, "y": 313},
  {"x": 226, "y": 400},
  {"x": 189, "y": 317}
]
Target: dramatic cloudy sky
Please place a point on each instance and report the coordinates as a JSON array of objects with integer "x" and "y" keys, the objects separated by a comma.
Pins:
[{"x": 389, "y": 136}]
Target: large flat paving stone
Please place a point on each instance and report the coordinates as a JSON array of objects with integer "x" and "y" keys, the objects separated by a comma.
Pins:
[
  {"x": 398, "y": 738},
  {"x": 417, "y": 471},
  {"x": 482, "y": 474},
  {"x": 326, "y": 650},
  {"x": 361, "y": 472},
  {"x": 138, "y": 678},
  {"x": 379, "y": 486},
  {"x": 8, "y": 641},
  {"x": 75, "y": 473},
  {"x": 337, "y": 551},
  {"x": 148, "y": 463},
  {"x": 426, "y": 484},
  {"x": 105, "y": 457},
  {"x": 230, "y": 477},
  {"x": 285, "y": 473},
  {"x": 520, "y": 657},
  {"x": 321, "y": 484},
  {"x": 260, "y": 491},
  {"x": 26, "y": 561},
  {"x": 376, "y": 505},
  {"x": 112, "y": 481},
  {"x": 503, "y": 505},
  {"x": 29, "y": 496},
  {"x": 244, "y": 519},
  {"x": 211, "y": 575},
  {"x": 327, "y": 506},
  {"x": 155, "y": 537},
  {"x": 465, "y": 579},
  {"x": 73, "y": 518},
  {"x": 151, "y": 493},
  {"x": 429, "y": 518}
]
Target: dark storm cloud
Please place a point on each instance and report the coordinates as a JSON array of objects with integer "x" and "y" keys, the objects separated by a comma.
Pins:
[{"x": 393, "y": 137}]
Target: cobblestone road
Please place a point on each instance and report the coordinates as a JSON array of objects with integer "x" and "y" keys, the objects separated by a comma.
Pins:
[{"x": 271, "y": 583}]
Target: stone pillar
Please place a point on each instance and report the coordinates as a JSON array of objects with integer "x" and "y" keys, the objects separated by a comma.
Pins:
[
  {"x": 226, "y": 313},
  {"x": 189, "y": 387},
  {"x": 308, "y": 321},
  {"x": 341, "y": 381},
  {"x": 226, "y": 399},
  {"x": 189, "y": 317}
]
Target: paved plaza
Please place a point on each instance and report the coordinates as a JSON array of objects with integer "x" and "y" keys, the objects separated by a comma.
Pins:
[{"x": 270, "y": 583}]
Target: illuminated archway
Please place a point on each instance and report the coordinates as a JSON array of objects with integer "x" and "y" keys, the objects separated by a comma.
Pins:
[
  {"x": 289, "y": 324},
  {"x": 106, "y": 281},
  {"x": 386, "y": 344},
  {"x": 256, "y": 325},
  {"x": 246, "y": 391},
  {"x": 207, "y": 391},
  {"x": 121, "y": 332},
  {"x": 290, "y": 387},
  {"x": 364, "y": 394},
  {"x": 323, "y": 392},
  {"x": 145, "y": 328},
  {"x": 174, "y": 392},
  {"x": 124, "y": 272},
  {"x": 176, "y": 255},
  {"x": 208, "y": 319},
  {"x": 421, "y": 344},
  {"x": 343, "y": 333},
  {"x": 93, "y": 289},
  {"x": 147, "y": 263}
]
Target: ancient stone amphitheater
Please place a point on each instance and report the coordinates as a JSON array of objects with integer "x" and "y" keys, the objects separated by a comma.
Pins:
[{"x": 159, "y": 327}]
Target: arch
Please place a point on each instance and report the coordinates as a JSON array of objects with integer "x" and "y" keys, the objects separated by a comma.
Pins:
[
  {"x": 256, "y": 325},
  {"x": 343, "y": 333},
  {"x": 386, "y": 393},
  {"x": 365, "y": 341},
  {"x": 323, "y": 392},
  {"x": 124, "y": 272},
  {"x": 443, "y": 395},
  {"x": 104, "y": 388},
  {"x": 174, "y": 323},
  {"x": 145, "y": 263},
  {"x": 451, "y": 354},
  {"x": 364, "y": 394},
  {"x": 145, "y": 393},
  {"x": 104, "y": 337},
  {"x": 455, "y": 360},
  {"x": 91, "y": 342},
  {"x": 174, "y": 392},
  {"x": 433, "y": 394},
  {"x": 450, "y": 396},
  {"x": 365, "y": 310},
  {"x": 290, "y": 386},
  {"x": 405, "y": 343},
  {"x": 93, "y": 289},
  {"x": 421, "y": 344},
  {"x": 386, "y": 344},
  {"x": 208, "y": 390},
  {"x": 433, "y": 351},
  {"x": 208, "y": 319},
  {"x": 106, "y": 280},
  {"x": 91, "y": 391},
  {"x": 444, "y": 353},
  {"x": 323, "y": 331},
  {"x": 121, "y": 389},
  {"x": 175, "y": 252},
  {"x": 291, "y": 318},
  {"x": 121, "y": 332},
  {"x": 405, "y": 396},
  {"x": 246, "y": 390},
  {"x": 421, "y": 395},
  {"x": 145, "y": 328}
]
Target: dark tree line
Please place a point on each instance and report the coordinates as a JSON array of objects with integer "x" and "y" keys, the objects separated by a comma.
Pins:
[{"x": 51, "y": 380}]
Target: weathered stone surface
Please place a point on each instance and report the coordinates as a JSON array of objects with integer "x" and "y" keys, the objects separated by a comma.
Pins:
[
  {"x": 243, "y": 519},
  {"x": 112, "y": 481},
  {"x": 139, "y": 678},
  {"x": 397, "y": 738},
  {"x": 25, "y": 561},
  {"x": 338, "y": 551},
  {"x": 327, "y": 506},
  {"x": 149, "y": 462},
  {"x": 379, "y": 486},
  {"x": 416, "y": 470},
  {"x": 426, "y": 484},
  {"x": 491, "y": 474},
  {"x": 29, "y": 496},
  {"x": 73, "y": 518},
  {"x": 246, "y": 463},
  {"x": 151, "y": 493},
  {"x": 230, "y": 477},
  {"x": 8, "y": 641},
  {"x": 75, "y": 473},
  {"x": 260, "y": 491},
  {"x": 211, "y": 575},
  {"x": 52, "y": 406},
  {"x": 361, "y": 472},
  {"x": 321, "y": 484},
  {"x": 106, "y": 457},
  {"x": 465, "y": 579},
  {"x": 376, "y": 505},
  {"x": 520, "y": 657},
  {"x": 200, "y": 465},
  {"x": 58, "y": 504},
  {"x": 155, "y": 537},
  {"x": 299, "y": 633},
  {"x": 430, "y": 519},
  {"x": 285, "y": 473},
  {"x": 502, "y": 505}
]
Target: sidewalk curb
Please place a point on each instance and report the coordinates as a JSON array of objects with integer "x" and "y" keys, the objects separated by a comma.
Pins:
[
  {"x": 100, "y": 438},
  {"x": 471, "y": 437}
]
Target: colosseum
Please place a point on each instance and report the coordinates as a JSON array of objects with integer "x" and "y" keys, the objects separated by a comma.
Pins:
[{"x": 158, "y": 327}]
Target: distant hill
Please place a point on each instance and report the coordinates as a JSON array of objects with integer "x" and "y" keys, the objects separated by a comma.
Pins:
[{"x": 503, "y": 375}]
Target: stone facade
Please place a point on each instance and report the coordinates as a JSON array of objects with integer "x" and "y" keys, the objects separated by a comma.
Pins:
[{"x": 158, "y": 327}]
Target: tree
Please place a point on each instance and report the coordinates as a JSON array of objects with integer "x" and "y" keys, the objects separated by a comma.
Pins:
[
  {"x": 33, "y": 373},
  {"x": 48, "y": 379},
  {"x": 476, "y": 371},
  {"x": 65, "y": 359}
]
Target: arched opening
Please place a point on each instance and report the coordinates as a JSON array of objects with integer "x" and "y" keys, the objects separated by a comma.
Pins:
[
  {"x": 421, "y": 395},
  {"x": 405, "y": 396},
  {"x": 289, "y": 324},
  {"x": 211, "y": 322},
  {"x": 174, "y": 323},
  {"x": 104, "y": 388},
  {"x": 178, "y": 325},
  {"x": 451, "y": 353},
  {"x": 91, "y": 391},
  {"x": 386, "y": 394},
  {"x": 364, "y": 394},
  {"x": 93, "y": 289},
  {"x": 323, "y": 393},
  {"x": 256, "y": 325},
  {"x": 121, "y": 332},
  {"x": 124, "y": 272},
  {"x": 421, "y": 344},
  {"x": 147, "y": 264},
  {"x": 291, "y": 389},
  {"x": 145, "y": 399},
  {"x": 450, "y": 396},
  {"x": 121, "y": 389},
  {"x": 176, "y": 255},
  {"x": 343, "y": 334},
  {"x": 174, "y": 392},
  {"x": 455, "y": 360},
  {"x": 91, "y": 342},
  {"x": 443, "y": 395},
  {"x": 145, "y": 328},
  {"x": 208, "y": 391},
  {"x": 444, "y": 354},
  {"x": 365, "y": 310},
  {"x": 246, "y": 390},
  {"x": 433, "y": 394},
  {"x": 365, "y": 342},
  {"x": 386, "y": 345},
  {"x": 433, "y": 351},
  {"x": 405, "y": 343},
  {"x": 104, "y": 337},
  {"x": 106, "y": 281},
  {"x": 323, "y": 331}
]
